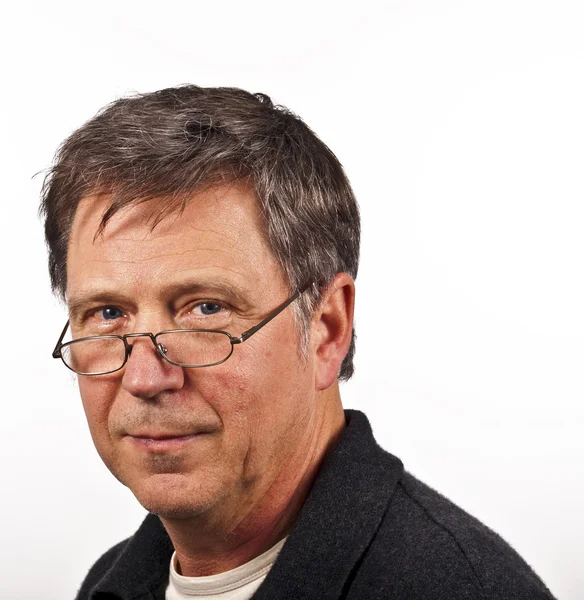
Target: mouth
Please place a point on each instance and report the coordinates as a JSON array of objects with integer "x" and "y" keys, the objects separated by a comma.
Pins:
[{"x": 164, "y": 443}]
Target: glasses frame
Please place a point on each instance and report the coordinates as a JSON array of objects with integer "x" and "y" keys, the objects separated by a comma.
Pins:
[{"x": 234, "y": 340}]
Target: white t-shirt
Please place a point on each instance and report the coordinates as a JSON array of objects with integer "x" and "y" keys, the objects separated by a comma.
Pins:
[{"x": 237, "y": 584}]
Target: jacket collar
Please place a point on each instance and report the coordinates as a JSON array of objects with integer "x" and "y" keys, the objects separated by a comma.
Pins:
[
  {"x": 338, "y": 520},
  {"x": 141, "y": 570},
  {"x": 335, "y": 526}
]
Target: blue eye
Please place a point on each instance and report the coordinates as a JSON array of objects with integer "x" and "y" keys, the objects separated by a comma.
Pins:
[
  {"x": 209, "y": 308},
  {"x": 110, "y": 313}
]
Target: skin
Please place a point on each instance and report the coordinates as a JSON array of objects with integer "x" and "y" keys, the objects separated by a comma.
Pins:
[{"x": 225, "y": 455}]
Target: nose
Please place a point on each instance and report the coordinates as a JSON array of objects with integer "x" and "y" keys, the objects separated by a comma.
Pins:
[{"x": 146, "y": 374}]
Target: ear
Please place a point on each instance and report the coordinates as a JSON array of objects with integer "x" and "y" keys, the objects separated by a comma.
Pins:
[{"x": 332, "y": 329}]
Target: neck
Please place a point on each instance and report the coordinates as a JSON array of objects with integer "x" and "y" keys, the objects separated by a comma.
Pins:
[{"x": 205, "y": 548}]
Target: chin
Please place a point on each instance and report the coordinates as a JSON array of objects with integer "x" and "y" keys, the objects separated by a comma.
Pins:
[{"x": 176, "y": 496}]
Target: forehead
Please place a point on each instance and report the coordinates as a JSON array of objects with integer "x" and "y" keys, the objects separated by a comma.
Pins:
[{"x": 218, "y": 234}]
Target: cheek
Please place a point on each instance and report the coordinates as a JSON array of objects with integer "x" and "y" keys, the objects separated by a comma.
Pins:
[
  {"x": 269, "y": 385},
  {"x": 97, "y": 397},
  {"x": 230, "y": 391},
  {"x": 242, "y": 394}
]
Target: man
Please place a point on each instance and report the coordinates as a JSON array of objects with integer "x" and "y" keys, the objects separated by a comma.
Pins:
[{"x": 206, "y": 243}]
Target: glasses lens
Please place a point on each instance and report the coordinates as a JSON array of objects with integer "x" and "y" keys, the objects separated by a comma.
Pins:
[
  {"x": 195, "y": 348},
  {"x": 93, "y": 357}
]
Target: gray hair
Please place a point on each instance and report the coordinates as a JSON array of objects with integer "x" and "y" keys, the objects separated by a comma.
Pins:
[{"x": 173, "y": 142}]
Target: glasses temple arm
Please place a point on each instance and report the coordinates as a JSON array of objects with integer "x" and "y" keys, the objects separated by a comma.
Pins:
[
  {"x": 57, "y": 350},
  {"x": 247, "y": 334}
]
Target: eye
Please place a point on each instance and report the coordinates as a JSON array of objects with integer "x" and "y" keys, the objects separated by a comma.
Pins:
[
  {"x": 208, "y": 308},
  {"x": 109, "y": 313}
]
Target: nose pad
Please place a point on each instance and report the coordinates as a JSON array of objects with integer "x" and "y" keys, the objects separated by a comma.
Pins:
[
  {"x": 159, "y": 347},
  {"x": 149, "y": 373}
]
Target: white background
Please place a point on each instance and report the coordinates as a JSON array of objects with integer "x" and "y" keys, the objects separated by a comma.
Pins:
[{"x": 461, "y": 126}]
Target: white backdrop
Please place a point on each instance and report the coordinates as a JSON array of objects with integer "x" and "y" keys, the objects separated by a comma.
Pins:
[{"x": 461, "y": 126}]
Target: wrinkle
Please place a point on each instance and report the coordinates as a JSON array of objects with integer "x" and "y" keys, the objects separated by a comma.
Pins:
[{"x": 147, "y": 259}]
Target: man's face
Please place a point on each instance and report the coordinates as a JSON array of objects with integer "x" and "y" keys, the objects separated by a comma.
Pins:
[{"x": 186, "y": 441}]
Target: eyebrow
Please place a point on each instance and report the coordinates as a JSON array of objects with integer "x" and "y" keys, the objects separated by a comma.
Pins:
[
  {"x": 82, "y": 300},
  {"x": 219, "y": 286}
]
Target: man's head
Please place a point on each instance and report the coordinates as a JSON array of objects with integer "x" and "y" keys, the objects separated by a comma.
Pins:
[
  {"x": 204, "y": 209},
  {"x": 172, "y": 143}
]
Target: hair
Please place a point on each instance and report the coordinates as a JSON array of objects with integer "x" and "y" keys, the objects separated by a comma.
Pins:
[{"x": 169, "y": 144}]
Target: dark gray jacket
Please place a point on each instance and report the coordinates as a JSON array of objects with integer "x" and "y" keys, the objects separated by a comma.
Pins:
[{"x": 368, "y": 530}]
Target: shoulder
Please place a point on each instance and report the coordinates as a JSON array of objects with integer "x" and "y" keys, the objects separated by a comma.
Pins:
[
  {"x": 136, "y": 567},
  {"x": 101, "y": 568},
  {"x": 439, "y": 549}
]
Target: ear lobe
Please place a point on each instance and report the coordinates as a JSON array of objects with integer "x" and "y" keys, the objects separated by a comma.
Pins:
[{"x": 332, "y": 329}]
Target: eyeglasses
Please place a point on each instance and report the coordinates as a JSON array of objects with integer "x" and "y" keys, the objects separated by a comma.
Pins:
[{"x": 189, "y": 348}]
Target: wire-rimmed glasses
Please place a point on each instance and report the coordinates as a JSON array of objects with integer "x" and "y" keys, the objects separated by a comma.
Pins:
[{"x": 188, "y": 348}]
